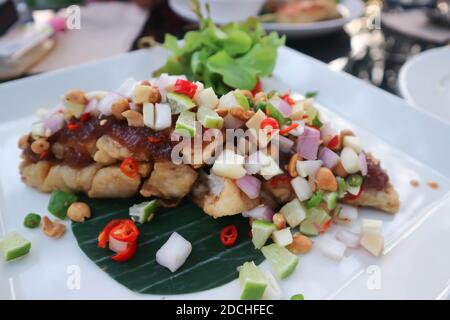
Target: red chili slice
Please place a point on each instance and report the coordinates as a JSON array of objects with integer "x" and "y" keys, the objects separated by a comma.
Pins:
[
  {"x": 129, "y": 167},
  {"x": 334, "y": 142},
  {"x": 286, "y": 97},
  {"x": 72, "y": 126},
  {"x": 289, "y": 129},
  {"x": 154, "y": 139},
  {"x": 85, "y": 117},
  {"x": 228, "y": 236},
  {"x": 257, "y": 88},
  {"x": 185, "y": 87},
  {"x": 125, "y": 231},
  {"x": 103, "y": 237}
]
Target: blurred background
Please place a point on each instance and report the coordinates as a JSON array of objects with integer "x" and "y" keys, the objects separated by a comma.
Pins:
[{"x": 371, "y": 39}]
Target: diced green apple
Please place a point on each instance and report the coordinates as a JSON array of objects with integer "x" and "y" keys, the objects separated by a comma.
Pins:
[
  {"x": 372, "y": 242},
  {"x": 253, "y": 281},
  {"x": 163, "y": 119},
  {"x": 209, "y": 118},
  {"x": 352, "y": 142},
  {"x": 186, "y": 123},
  {"x": 371, "y": 225},
  {"x": 294, "y": 212},
  {"x": 228, "y": 101},
  {"x": 255, "y": 121},
  {"x": 261, "y": 232},
  {"x": 75, "y": 109},
  {"x": 179, "y": 102},
  {"x": 207, "y": 98},
  {"x": 14, "y": 246},
  {"x": 282, "y": 260},
  {"x": 282, "y": 237},
  {"x": 229, "y": 165},
  {"x": 271, "y": 169},
  {"x": 148, "y": 112}
]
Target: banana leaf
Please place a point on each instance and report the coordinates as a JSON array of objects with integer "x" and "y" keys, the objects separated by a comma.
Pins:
[{"x": 209, "y": 265}]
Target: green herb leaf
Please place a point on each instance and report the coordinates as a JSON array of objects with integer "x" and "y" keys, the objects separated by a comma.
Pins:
[{"x": 311, "y": 94}]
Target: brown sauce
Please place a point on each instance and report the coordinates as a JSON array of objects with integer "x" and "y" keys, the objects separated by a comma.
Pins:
[
  {"x": 78, "y": 142},
  {"x": 376, "y": 178}
]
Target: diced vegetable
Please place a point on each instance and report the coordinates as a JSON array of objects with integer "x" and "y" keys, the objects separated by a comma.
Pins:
[
  {"x": 281, "y": 259},
  {"x": 59, "y": 202},
  {"x": 331, "y": 247},
  {"x": 282, "y": 237},
  {"x": 302, "y": 188},
  {"x": 372, "y": 225},
  {"x": 32, "y": 220},
  {"x": 317, "y": 221},
  {"x": 37, "y": 130},
  {"x": 255, "y": 121},
  {"x": 330, "y": 158},
  {"x": 14, "y": 246},
  {"x": 260, "y": 212},
  {"x": 273, "y": 112},
  {"x": 342, "y": 187},
  {"x": 273, "y": 290},
  {"x": 209, "y": 118},
  {"x": 117, "y": 246},
  {"x": 372, "y": 242},
  {"x": 241, "y": 100},
  {"x": 174, "y": 252},
  {"x": 294, "y": 212},
  {"x": 148, "y": 111},
  {"x": 315, "y": 200},
  {"x": 230, "y": 165},
  {"x": 250, "y": 185},
  {"x": 253, "y": 282},
  {"x": 354, "y": 180},
  {"x": 143, "y": 212},
  {"x": 298, "y": 297},
  {"x": 331, "y": 200},
  {"x": 347, "y": 214},
  {"x": 261, "y": 232},
  {"x": 350, "y": 160},
  {"x": 141, "y": 93},
  {"x": 308, "y": 143},
  {"x": 348, "y": 238},
  {"x": 228, "y": 101},
  {"x": 353, "y": 190},
  {"x": 352, "y": 142},
  {"x": 163, "y": 119},
  {"x": 363, "y": 163},
  {"x": 74, "y": 108},
  {"x": 186, "y": 123},
  {"x": 271, "y": 169},
  {"x": 179, "y": 102},
  {"x": 207, "y": 98},
  {"x": 308, "y": 167}
]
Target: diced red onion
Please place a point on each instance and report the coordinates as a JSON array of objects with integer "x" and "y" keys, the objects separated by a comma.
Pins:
[
  {"x": 285, "y": 144},
  {"x": 126, "y": 89},
  {"x": 117, "y": 245},
  {"x": 231, "y": 122},
  {"x": 105, "y": 104},
  {"x": 91, "y": 105},
  {"x": 363, "y": 163},
  {"x": 260, "y": 213},
  {"x": 282, "y": 106},
  {"x": 330, "y": 159},
  {"x": 308, "y": 143},
  {"x": 250, "y": 185},
  {"x": 54, "y": 122},
  {"x": 348, "y": 238},
  {"x": 327, "y": 131}
]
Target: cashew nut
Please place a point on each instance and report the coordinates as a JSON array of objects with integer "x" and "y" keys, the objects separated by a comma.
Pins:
[
  {"x": 53, "y": 229},
  {"x": 23, "y": 142},
  {"x": 118, "y": 107},
  {"x": 79, "y": 211},
  {"x": 325, "y": 180},
  {"x": 292, "y": 165},
  {"x": 300, "y": 244},
  {"x": 279, "y": 221},
  {"x": 134, "y": 118}
]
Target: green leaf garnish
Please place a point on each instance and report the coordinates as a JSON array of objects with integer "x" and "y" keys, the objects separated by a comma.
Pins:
[{"x": 311, "y": 94}]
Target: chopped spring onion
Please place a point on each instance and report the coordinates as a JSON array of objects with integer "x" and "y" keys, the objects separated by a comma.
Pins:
[{"x": 143, "y": 212}]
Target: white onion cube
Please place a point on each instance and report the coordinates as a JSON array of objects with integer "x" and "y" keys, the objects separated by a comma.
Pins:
[
  {"x": 331, "y": 247},
  {"x": 174, "y": 252}
]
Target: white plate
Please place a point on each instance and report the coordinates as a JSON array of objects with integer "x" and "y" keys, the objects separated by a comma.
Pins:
[
  {"x": 406, "y": 152},
  {"x": 424, "y": 81},
  {"x": 350, "y": 9}
]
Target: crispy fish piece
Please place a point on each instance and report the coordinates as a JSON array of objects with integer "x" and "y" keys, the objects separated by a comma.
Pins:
[
  {"x": 34, "y": 174},
  {"x": 169, "y": 181},
  {"x": 220, "y": 197},
  {"x": 386, "y": 199},
  {"x": 110, "y": 182},
  {"x": 65, "y": 178}
]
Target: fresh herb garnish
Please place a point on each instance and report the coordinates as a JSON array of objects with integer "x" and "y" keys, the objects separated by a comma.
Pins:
[
  {"x": 311, "y": 94},
  {"x": 234, "y": 55}
]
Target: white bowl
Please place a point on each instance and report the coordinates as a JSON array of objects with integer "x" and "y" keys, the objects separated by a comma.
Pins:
[{"x": 224, "y": 11}]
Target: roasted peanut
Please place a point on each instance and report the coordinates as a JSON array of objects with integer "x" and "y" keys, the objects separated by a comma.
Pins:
[
  {"x": 260, "y": 97},
  {"x": 241, "y": 114},
  {"x": 53, "y": 229},
  {"x": 134, "y": 118},
  {"x": 222, "y": 112},
  {"x": 292, "y": 165},
  {"x": 325, "y": 180},
  {"x": 300, "y": 244},
  {"x": 79, "y": 211},
  {"x": 279, "y": 221},
  {"x": 118, "y": 107},
  {"x": 75, "y": 96},
  {"x": 154, "y": 95},
  {"x": 40, "y": 145},
  {"x": 23, "y": 142},
  {"x": 339, "y": 170}
]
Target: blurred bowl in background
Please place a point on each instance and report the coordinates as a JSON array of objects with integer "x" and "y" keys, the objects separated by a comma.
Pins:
[{"x": 222, "y": 11}]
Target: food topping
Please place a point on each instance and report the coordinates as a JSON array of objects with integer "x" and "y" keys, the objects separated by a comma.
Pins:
[
  {"x": 53, "y": 229},
  {"x": 79, "y": 211},
  {"x": 174, "y": 253},
  {"x": 32, "y": 220},
  {"x": 60, "y": 202},
  {"x": 228, "y": 236},
  {"x": 121, "y": 234},
  {"x": 14, "y": 246}
]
